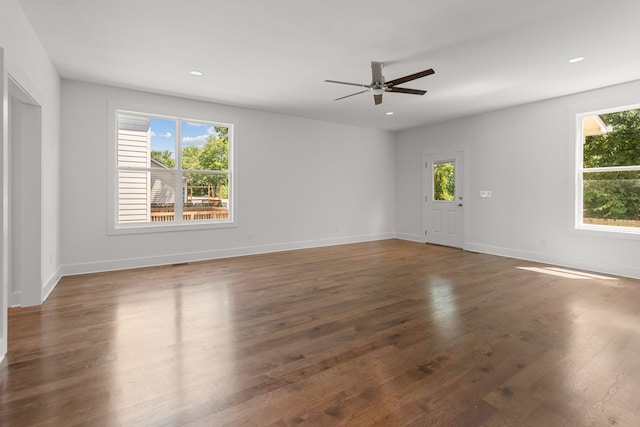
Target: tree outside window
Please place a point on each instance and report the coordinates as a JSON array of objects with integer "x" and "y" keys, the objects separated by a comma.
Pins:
[
  {"x": 444, "y": 181},
  {"x": 172, "y": 171},
  {"x": 610, "y": 170}
]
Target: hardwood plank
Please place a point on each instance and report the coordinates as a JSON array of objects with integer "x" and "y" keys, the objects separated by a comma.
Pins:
[{"x": 381, "y": 333}]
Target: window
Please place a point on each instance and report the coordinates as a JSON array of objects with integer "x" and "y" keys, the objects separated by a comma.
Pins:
[
  {"x": 172, "y": 171},
  {"x": 444, "y": 181},
  {"x": 609, "y": 171}
]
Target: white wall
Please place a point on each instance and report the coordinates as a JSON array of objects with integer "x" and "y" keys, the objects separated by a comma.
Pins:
[
  {"x": 524, "y": 155},
  {"x": 300, "y": 183},
  {"x": 4, "y": 206},
  {"x": 29, "y": 65}
]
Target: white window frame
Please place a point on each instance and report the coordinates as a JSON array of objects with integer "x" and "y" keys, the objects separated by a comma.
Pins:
[
  {"x": 114, "y": 227},
  {"x": 608, "y": 230}
]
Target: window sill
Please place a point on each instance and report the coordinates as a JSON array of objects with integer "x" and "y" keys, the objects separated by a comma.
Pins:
[{"x": 168, "y": 228}]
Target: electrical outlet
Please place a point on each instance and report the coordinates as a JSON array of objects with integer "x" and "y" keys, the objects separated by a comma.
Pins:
[{"x": 485, "y": 193}]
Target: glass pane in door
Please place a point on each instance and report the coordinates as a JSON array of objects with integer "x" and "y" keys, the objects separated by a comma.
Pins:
[{"x": 444, "y": 181}]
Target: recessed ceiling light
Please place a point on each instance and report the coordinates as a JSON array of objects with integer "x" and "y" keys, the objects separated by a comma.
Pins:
[
  {"x": 195, "y": 72},
  {"x": 576, "y": 59},
  {"x": 389, "y": 113}
]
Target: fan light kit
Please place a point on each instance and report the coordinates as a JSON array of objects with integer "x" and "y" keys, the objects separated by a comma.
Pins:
[{"x": 378, "y": 85}]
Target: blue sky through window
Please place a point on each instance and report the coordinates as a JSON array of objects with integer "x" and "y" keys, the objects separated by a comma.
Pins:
[{"x": 163, "y": 134}]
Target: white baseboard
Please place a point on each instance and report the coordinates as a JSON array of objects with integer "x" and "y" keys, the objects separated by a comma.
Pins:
[
  {"x": 124, "y": 264},
  {"x": 418, "y": 238},
  {"x": 564, "y": 261},
  {"x": 15, "y": 299},
  {"x": 51, "y": 284}
]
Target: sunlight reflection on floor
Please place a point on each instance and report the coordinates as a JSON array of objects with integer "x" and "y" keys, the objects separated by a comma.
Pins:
[{"x": 567, "y": 274}]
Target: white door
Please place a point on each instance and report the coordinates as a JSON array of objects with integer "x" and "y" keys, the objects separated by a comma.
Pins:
[{"x": 443, "y": 199}]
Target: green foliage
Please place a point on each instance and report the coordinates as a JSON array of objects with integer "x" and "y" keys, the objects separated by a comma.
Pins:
[
  {"x": 614, "y": 195},
  {"x": 620, "y": 147},
  {"x": 165, "y": 157},
  {"x": 617, "y": 197},
  {"x": 444, "y": 181},
  {"x": 213, "y": 156}
]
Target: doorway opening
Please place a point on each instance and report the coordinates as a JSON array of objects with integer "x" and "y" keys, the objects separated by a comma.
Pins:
[{"x": 24, "y": 153}]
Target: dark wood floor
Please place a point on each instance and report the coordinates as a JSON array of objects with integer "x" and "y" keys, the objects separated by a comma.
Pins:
[{"x": 384, "y": 333}]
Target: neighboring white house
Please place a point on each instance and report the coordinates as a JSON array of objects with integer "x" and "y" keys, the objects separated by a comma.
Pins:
[
  {"x": 594, "y": 125},
  {"x": 162, "y": 183},
  {"x": 140, "y": 189}
]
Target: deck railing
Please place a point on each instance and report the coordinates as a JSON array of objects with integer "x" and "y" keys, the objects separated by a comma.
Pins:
[{"x": 190, "y": 215}]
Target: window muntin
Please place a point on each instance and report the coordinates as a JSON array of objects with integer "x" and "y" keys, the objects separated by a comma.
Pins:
[
  {"x": 609, "y": 171},
  {"x": 172, "y": 171}
]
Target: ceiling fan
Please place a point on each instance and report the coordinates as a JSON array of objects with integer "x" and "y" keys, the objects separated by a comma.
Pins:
[{"x": 378, "y": 86}]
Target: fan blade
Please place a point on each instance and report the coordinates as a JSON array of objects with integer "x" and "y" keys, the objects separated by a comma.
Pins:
[
  {"x": 410, "y": 77},
  {"x": 357, "y": 93},
  {"x": 377, "y": 99},
  {"x": 347, "y": 83},
  {"x": 404, "y": 90},
  {"x": 376, "y": 72}
]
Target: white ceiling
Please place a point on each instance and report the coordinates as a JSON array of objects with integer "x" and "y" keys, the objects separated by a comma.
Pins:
[{"x": 275, "y": 55}]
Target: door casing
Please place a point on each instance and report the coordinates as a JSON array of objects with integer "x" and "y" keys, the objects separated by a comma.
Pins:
[{"x": 444, "y": 221}]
